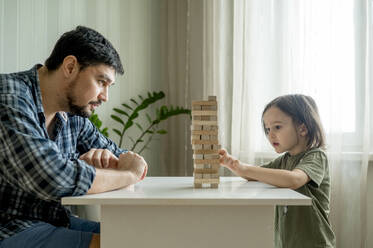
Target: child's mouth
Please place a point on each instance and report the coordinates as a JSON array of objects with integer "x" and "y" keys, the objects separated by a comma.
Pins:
[{"x": 275, "y": 144}]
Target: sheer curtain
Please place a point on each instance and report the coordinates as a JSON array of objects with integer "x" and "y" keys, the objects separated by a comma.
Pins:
[{"x": 256, "y": 50}]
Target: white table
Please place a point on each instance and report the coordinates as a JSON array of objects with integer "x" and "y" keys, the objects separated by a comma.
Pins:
[{"x": 162, "y": 212}]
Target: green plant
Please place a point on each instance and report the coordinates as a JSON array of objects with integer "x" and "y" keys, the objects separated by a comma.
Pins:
[
  {"x": 126, "y": 118},
  {"x": 98, "y": 123}
]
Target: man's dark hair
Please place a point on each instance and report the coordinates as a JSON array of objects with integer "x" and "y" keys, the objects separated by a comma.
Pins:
[{"x": 88, "y": 46}]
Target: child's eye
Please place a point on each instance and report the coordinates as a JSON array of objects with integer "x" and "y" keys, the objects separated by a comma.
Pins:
[{"x": 277, "y": 127}]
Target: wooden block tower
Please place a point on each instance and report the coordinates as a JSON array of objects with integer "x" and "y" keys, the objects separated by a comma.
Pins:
[{"x": 205, "y": 143}]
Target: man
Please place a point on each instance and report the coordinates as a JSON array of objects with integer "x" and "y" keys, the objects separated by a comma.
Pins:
[{"x": 49, "y": 149}]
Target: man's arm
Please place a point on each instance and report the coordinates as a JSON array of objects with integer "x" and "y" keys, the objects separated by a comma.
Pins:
[{"x": 131, "y": 168}]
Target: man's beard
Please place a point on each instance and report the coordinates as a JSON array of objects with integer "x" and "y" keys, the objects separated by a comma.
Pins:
[{"x": 77, "y": 110}]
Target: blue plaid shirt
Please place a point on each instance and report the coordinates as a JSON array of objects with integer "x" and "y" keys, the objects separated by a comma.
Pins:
[{"x": 36, "y": 171}]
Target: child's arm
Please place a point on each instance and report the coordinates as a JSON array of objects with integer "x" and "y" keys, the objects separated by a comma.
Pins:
[{"x": 281, "y": 178}]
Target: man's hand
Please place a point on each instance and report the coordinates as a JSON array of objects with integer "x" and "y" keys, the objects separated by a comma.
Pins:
[
  {"x": 100, "y": 158},
  {"x": 134, "y": 163}
]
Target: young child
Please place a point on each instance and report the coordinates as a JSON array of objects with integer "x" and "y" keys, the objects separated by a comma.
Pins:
[{"x": 292, "y": 126}]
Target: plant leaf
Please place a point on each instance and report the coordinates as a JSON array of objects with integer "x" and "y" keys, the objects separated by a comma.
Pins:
[
  {"x": 148, "y": 117},
  {"x": 126, "y": 106},
  {"x": 116, "y": 118},
  {"x": 134, "y": 101},
  {"x": 162, "y": 131},
  {"x": 117, "y": 132},
  {"x": 119, "y": 111},
  {"x": 139, "y": 126}
]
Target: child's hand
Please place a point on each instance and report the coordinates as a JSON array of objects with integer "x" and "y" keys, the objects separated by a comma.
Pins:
[{"x": 228, "y": 161}]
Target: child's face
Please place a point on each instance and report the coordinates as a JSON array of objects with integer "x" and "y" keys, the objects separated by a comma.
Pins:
[{"x": 282, "y": 133}]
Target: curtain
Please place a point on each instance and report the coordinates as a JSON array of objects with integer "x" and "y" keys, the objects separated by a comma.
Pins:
[{"x": 257, "y": 50}]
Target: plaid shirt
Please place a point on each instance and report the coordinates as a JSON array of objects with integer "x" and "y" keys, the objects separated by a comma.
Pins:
[{"x": 36, "y": 171}]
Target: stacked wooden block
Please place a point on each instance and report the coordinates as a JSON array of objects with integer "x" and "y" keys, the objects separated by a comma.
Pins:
[{"x": 205, "y": 143}]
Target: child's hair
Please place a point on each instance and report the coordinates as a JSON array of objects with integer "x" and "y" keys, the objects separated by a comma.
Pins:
[{"x": 303, "y": 110}]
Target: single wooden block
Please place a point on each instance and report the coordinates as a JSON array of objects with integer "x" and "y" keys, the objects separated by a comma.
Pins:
[
  {"x": 214, "y": 185},
  {"x": 206, "y": 161},
  {"x": 215, "y": 175},
  {"x": 198, "y": 156},
  {"x": 196, "y": 107},
  {"x": 205, "y": 151},
  {"x": 204, "y": 132},
  {"x": 207, "y": 118},
  {"x": 205, "y": 142},
  {"x": 209, "y": 156},
  {"x": 196, "y": 137},
  {"x": 204, "y": 103},
  {"x": 209, "y": 108},
  {"x": 205, "y": 137},
  {"x": 206, "y": 176},
  {"x": 208, "y": 147},
  {"x": 204, "y": 112},
  {"x": 197, "y": 147},
  {"x": 198, "y": 175},
  {"x": 198, "y": 166},
  {"x": 215, "y": 166},
  {"x": 209, "y": 128},
  {"x": 209, "y": 123},
  {"x": 198, "y": 185},
  {"x": 203, "y": 180},
  {"x": 212, "y": 98},
  {"x": 196, "y": 127},
  {"x": 207, "y": 171},
  {"x": 196, "y": 118},
  {"x": 216, "y": 147}
]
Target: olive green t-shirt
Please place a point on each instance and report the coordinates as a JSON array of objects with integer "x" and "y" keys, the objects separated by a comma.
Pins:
[{"x": 305, "y": 226}]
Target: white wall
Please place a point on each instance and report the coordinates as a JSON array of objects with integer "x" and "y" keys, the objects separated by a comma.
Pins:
[{"x": 30, "y": 28}]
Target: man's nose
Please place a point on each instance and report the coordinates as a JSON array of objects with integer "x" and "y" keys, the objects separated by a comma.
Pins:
[{"x": 104, "y": 95}]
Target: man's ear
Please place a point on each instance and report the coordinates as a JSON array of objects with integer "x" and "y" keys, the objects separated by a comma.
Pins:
[
  {"x": 303, "y": 131},
  {"x": 70, "y": 66}
]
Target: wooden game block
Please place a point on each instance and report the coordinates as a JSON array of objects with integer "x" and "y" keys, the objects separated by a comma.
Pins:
[
  {"x": 195, "y": 137},
  {"x": 206, "y": 161},
  {"x": 197, "y": 147},
  {"x": 216, "y": 147},
  {"x": 198, "y": 166},
  {"x": 204, "y": 113},
  {"x": 207, "y": 147},
  {"x": 198, "y": 156},
  {"x": 206, "y": 176},
  {"x": 212, "y": 118},
  {"x": 204, "y": 103},
  {"x": 214, "y": 185},
  {"x": 196, "y": 118},
  {"x": 205, "y": 142},
  {"x": 203, "y": 180},
  {"x": 207, "y": 166},
  {"x": 209, "y": 108},
  {"x": 196, "y": 107},
  {"x": 215, "y": 166},
  {"x": 196, "y": 127},
  {"x": 198, "y": 185},
  {"x": 198, "y": 175},
  {"x": 213, "y": 137},
  {"x": 209, "y": 156},
  {"x": 205, "y": 151},
  {"x": 210, "y": 123},
  {"x": 205, "y": 137},
  {"x": 215, "y": 175},
  {"x": 212, "y": 98},
  {"x": 207, "y": 171},
  {"x": 204, "y": 132},
  {"x": 209, "y": 128},
  {"x": 206, "y": 118}
]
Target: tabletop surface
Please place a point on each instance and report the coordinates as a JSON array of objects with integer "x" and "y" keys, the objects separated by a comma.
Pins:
[{"x": 180, "y": 191}]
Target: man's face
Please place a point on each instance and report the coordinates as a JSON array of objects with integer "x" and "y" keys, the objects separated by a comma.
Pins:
[{"x": 89, "y": 89}]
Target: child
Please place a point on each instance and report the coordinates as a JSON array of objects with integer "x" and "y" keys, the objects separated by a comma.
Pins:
[{"x": 292, "y": 125}]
